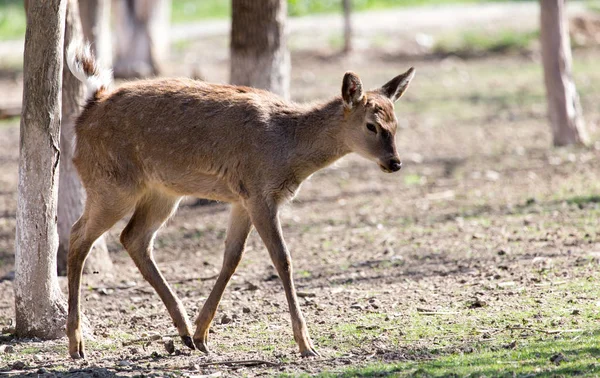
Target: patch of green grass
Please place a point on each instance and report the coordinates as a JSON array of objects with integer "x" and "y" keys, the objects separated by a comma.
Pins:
[
  {"x": 31, "y": 350},
  {"x": 519, "y": 336},
  {"x": 593, "y": 5},
  {"x": 181, "y": 45},
  {"x": 346, "y": 336},
  {"x": 193, "y": 10},
  {"x": 121, "y": 335},
  {"x": 112, "y": 343},
  {"x": 303, "y": 274},
  {"x": 413, "y": 179},
  {"x": 12, "y": 19},
  {"x": 532, "y": 358},
  {"x": 304, "y": 7},
  {"x": 583, "y": 200},
  {"x": 10, "y": 122},
  {"x": 473, "y": 43},
  {"x": 471, "y": 96}
]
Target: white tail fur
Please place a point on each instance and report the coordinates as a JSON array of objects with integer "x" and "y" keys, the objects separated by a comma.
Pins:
[{"x": 83, "y": 65}]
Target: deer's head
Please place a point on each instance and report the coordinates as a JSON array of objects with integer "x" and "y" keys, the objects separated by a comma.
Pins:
[{"x": 371, "y": 124}]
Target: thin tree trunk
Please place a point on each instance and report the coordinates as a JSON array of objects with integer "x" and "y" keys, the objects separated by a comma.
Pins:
[
  {"x": 39, "y": 303},
  {"x": 95, "y": 22},
  {"x": 564, "y": 109},
  {"x": 347, "y": 5},
  {"x": 142, "y": 30},
  {"x": 71, "y": 195},
  {"x": 259, "y": 55}
]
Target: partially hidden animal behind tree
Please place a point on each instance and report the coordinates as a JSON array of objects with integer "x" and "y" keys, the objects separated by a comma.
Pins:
[{"x": 145, "y": 145}]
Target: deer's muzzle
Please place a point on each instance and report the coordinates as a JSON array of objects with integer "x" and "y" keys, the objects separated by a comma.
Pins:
[{"x": 392, "y": 165}]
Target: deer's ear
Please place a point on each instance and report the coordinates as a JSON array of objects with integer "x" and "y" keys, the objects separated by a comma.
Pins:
[
  {"x": 352, "y": 91},
  {"x": 395, "y": 88}
]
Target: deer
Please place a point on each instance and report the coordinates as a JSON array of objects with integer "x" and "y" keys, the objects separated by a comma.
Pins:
[{"x": 143, "y": 146}]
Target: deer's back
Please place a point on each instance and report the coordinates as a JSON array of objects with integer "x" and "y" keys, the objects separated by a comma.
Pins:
[{"x": 179, "y": 131}]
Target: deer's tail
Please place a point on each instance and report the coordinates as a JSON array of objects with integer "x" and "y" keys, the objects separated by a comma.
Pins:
[{"x": 84, "y": 67}]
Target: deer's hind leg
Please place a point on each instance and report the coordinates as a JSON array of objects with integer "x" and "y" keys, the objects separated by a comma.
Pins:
[
  {"x": 150, "y": 214},
  {"x": 102, "y": 211}
]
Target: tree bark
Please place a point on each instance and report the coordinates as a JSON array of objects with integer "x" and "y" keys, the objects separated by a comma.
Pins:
[
  {"x": 564, "y": 109},
  {"x": 259, "y": 55},
  {"x": 347, "y": 5},
  {"x": 39, "y": 303},
  {"x": 71, "y": 195},
  {"x": 142, "y": 27},
  {"x": 95, "y": 22}
]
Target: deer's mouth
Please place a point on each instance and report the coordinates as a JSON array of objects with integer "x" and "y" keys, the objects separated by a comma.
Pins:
[{"x": 385, "y": 169}]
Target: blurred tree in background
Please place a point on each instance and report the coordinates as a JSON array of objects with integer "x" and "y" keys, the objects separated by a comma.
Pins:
[
  {"x": 347, "y": 8},
  {"x": 564, "y": 109},
  {"x": 142, "y": 27},
  {"x": 95, "y": 22},
  {"x": 259, "y": 54}
]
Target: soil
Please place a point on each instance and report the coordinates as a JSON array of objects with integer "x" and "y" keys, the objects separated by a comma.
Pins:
[{"x": 482, "y": 202}]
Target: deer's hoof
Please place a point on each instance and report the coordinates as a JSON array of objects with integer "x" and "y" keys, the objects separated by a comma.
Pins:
[
  {"x": 310, "y": 352},
  {"x": 78, "y": 352},
  {"x": 188, "y": 342},
  {"x": 201, "y": 346},
  {"x": 76, "y": 346}
]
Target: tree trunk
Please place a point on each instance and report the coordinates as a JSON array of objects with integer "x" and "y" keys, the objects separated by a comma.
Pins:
[
  {"x": 142, "y": 27},
  {"x": 347, "y": 5},
  {"x": 259, "y": 55},
  {"x": 39, "y": 303},
  {"x": 71, "y": 196},
  {"x": 95, "y": 22},
  {"x": 564, "y": 109}
]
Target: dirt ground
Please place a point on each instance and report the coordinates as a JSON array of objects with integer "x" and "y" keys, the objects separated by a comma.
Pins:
[{"x": 485, "y": 223}]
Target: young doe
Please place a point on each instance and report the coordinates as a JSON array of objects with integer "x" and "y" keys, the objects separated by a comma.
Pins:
[{"x": 146, "y": 144}]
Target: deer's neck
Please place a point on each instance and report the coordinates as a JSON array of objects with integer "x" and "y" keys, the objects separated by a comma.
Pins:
[{"x": 317, "y": 137}]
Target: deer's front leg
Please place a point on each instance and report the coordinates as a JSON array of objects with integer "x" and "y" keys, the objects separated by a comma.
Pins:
[
  {"x": 266, "y": 221},
  {"x": 237, "y": 233}
]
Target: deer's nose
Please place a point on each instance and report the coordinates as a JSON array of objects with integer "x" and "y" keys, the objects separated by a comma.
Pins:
[{"x": 395, "y": 164}]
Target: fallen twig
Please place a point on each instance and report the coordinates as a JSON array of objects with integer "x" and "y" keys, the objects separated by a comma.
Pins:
[
  {"x": 238, "y": 363},
  {"x": 548, "y": 284},
  {"x": 305, "y": 294},
  {"x": 184, "y": 280},
  {"x": 490, "y": 332},
  {"x": 426, "y": 311},
  {"x": 548, "y": 332}
]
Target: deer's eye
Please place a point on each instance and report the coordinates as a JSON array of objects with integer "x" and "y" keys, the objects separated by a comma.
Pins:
[{"x": 371, "y": 127}]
